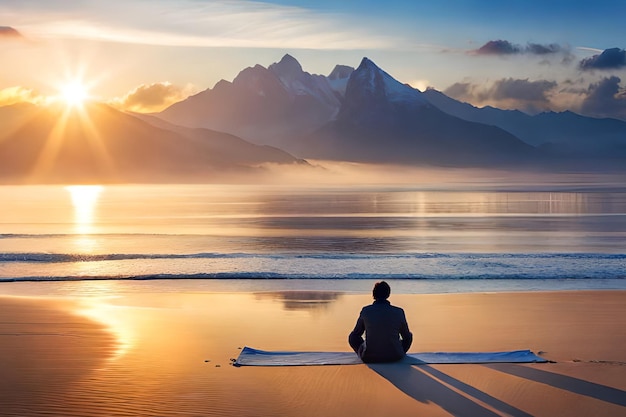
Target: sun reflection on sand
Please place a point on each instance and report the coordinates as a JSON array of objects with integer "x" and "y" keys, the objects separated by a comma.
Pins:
[
  {"x": 97, "y": 303},
  {"x": 114, "y": 318}
]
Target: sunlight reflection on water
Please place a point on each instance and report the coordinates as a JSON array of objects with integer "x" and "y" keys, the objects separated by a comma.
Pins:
[
  {"x": 239, "y": 231},
  {"x": 84, "y": 200}
]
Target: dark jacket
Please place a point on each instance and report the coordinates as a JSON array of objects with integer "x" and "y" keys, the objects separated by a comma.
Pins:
[{"x": 383, "y": 324}]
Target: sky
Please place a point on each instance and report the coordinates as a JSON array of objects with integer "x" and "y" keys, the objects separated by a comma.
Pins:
[{"x": 143, "y": 55}]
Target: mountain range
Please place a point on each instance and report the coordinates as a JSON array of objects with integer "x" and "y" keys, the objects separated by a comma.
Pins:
[
  {"x": 364, "y": 114},
  {"x": 265, "y": 105},
  {"x": 566, "y": 132},
  {"x": 382, "y": 120},
  {"x": 284, "y": 115}
]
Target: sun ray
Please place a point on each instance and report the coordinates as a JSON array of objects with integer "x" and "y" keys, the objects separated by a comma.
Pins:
[
  {"x": 68, "y": 129},
  {"x": 95, "y": 140},
  {"x": 48, "y": 154},
  {"x": 75, "y": 128}
]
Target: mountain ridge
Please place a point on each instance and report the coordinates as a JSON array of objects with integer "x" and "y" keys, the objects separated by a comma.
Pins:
[
  {"x": 98, "y": 144},
  {"x": 375, "y": 119},
  {"x": 305, "y": 115},
  {"x": 262, "y": 105},
  {"x": 563, "y": 132},
  {"x": 383, "y": 120},
  {"x": 287, "y": 115}
]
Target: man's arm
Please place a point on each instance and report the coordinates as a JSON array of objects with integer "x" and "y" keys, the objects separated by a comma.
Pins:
[
  {"x": 359, "y": 328},
  {"x": 355, "y": 338},
  {"x": 407, "y": 336}
]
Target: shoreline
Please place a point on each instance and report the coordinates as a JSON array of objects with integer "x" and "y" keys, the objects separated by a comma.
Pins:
[
  {"x": 87, "y": 287},
  {"x": 168, "y": 353}
]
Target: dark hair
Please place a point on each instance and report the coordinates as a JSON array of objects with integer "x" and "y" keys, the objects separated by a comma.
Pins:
[{"x": 381, "y": 290}]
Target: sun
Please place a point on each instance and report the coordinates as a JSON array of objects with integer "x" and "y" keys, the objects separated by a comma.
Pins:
[{"x": 74, "y": 94}]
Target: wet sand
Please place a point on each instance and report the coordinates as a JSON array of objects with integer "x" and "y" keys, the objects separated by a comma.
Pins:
[{"x": 168, "y": 355}]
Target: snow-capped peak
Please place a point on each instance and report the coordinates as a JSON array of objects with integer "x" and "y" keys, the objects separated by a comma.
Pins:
[
  {"x": 288, "y": 69},
  {"x": 369, "y": 77},
  {"x": 300, "y": 83},
  {"x": 340, "y": 72},
  {"x": 338, "y": 78}
]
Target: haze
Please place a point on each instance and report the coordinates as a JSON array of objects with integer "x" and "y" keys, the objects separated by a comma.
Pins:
[{"x": 121, "y": 91}]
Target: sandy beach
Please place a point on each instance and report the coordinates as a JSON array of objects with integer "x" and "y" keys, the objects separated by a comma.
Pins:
[{"x": 160, "y": 354}]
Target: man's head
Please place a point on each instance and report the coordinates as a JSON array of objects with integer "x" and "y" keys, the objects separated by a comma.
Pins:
[{"x": 381, "y": 290}]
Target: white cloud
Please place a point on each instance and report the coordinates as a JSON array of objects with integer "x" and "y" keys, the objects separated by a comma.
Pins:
[
  {"x": 153, "y": 97},
  {"x": 508, "y": 93},
  {"x": 219, "y": 23}
]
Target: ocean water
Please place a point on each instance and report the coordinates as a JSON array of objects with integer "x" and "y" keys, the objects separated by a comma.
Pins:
[{"x": 329, "y": 236}]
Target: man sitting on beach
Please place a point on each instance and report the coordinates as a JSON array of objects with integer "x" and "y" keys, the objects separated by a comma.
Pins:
[{"x": 383, "y": 325}]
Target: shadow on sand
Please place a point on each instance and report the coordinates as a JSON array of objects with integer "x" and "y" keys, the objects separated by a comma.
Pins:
[
  {"x": 564, "y": 382},
  {"x": 426, "y": 384}
]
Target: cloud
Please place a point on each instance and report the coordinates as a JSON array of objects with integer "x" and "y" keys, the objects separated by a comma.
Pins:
[
  {"x": 499, "y": 47},
  {"x": 216, "y": 23},
  {"x": 523, "y": 90},
  {"x": 152, "y": 97},
  {"x": 462, "y": 92},
  {"x": 613, "y": 58},
  {"x": 503, "y": 47},
  {"x": 7, "y": 32},
  {"x": 509, "y": 93},
  {"x": 605, "y": 99},
  {"x": 17, "y": 94},
  {"x": 538, "y": 49}
]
